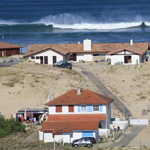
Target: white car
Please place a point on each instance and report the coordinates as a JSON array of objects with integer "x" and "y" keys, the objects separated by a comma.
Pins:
[{"x": 82, "y": 142}]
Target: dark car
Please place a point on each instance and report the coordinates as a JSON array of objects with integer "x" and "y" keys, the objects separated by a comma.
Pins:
[
  {"x": 66, "y": 65},
  {"x": 92, "y": 139},
  {"x": 82, "y": 142},
  {"x": 57, "y": 64}
]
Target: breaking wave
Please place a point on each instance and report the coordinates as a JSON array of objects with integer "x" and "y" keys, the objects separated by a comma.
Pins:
[{"x": 75, "y": 22}]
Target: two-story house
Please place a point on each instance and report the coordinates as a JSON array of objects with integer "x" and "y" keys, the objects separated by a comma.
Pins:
[{"x": 75, "y": 114}]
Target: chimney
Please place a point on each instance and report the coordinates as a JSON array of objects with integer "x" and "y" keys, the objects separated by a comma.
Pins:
[
  {"x": 78, "y": 91},
  {"x": 131, "y": 42},
  {"x": 78, "y": 42},
  {"x": 87, "y": 45}
]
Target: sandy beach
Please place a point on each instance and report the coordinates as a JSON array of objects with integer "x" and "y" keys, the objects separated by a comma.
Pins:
[{"x": 27, "y": 85}]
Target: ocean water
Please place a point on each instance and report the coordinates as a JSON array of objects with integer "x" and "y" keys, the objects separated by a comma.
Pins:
[{"x": 25, "y": 22}]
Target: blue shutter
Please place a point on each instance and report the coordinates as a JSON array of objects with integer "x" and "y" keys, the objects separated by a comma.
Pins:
[
  {"x": 87, "y": 133},
  {"x": 89, "y": 108},
  {"x": 79, "y": 108},
  {"x": 101, "y": 108}
]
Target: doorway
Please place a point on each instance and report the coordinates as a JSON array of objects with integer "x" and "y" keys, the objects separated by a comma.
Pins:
[
  {"x": 45, "y": 59},
  {"x": 41, "y": 59},
  {"x": 54, "y": 59},
  {"x": 127, "y": 59}
]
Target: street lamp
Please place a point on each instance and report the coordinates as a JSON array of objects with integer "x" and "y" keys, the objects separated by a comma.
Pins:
[{"x": 123, "y": 100}]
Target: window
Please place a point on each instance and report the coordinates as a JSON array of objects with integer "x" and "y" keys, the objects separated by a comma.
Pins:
[
  {"x": 59, "y": 108},
  {"x": 37, "y": 57},
  {"x": 83, "y": 107},
  {"x": 95, "y": 107},
  {"x": 32, "y": 57},
  {"x": 71, "y": 108}
]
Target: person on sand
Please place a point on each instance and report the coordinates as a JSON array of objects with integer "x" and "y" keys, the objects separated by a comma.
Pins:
[{"x": 118, "y": 128}]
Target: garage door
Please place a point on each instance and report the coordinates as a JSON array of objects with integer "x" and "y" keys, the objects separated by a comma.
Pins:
[{"x": 87, "y": 133}]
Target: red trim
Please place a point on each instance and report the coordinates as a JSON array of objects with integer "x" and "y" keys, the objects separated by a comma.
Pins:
[
  {"x": 59, "y": 108},
  {"x": 71, "y": 108}
]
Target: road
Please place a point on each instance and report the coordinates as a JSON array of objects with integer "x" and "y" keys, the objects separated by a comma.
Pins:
[
  {"x": 127, "y": 138},
  {"x": 104, "y": 91}
]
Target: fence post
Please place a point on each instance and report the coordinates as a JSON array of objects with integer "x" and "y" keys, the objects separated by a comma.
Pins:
[{"x": 54, "y": 145}]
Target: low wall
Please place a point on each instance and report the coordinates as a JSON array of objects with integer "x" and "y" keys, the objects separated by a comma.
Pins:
[{"x": 138, "y": 121}]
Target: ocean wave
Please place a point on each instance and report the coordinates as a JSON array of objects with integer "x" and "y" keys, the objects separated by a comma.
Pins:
[
  {"x": 8, "y": 22},
  {"x": 98, "y": 26},
  {"x": 147, "y": 23},
  {"x": 76, "y": 22}
]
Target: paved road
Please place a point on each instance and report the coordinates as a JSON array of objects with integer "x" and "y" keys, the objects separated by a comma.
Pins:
[
  {"x": 104, "y": 91},
  {"x": 127, "y": 138},
  {"x": 7, "y": 64}
]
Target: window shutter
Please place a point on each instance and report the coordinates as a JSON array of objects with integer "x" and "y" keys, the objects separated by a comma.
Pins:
[
  {"x": 79, "y": 108},
  {"x": 101, "y": 108}
]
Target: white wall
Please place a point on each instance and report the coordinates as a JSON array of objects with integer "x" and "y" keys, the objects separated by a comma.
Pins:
[
  {"x": 135, "y": 58},
  {"x": 85, "y": 57},
  {"x": 66, "y": 138},
  {"x": 40, "y": 136},
  {"x": 50, "y": 54},
  {"x": 52, "y": 109},
  {"x": 58, "y": 137},
  {"x": 120, "y": 58},
  {"x": 138, "y": 121},
  {"x": 65, "y": 110},
  {"x": 76, "y": 135},
  {"x": 48, "y": 137}
]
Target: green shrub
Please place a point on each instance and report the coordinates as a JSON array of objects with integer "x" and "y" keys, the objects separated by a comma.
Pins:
[{"x": 9, "y": 126}]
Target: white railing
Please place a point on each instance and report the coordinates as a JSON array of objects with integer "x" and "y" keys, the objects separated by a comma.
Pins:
[{"x": 138, "y": 121}]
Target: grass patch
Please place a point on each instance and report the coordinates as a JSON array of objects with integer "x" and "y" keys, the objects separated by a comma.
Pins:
[
  {"x": 9, "y": 126},
  {"x": 143, "y": 97},
  {"x": 11, "y": 82}
]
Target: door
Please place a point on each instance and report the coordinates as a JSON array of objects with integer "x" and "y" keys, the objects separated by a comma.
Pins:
[
  {"x": 54, "y": 59},
  {"x": 45, "y": 59},
  {"x": 74, "y": 57},
  {"x": 41, "y": 58}
]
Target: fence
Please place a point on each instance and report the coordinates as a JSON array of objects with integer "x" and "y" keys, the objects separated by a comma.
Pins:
[{"x": 138, "y": 121}]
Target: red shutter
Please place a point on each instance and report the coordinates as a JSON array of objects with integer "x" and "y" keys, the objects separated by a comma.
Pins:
[
  {"x": 59, "y": 108},
  {"x": 71, "y": 108}
]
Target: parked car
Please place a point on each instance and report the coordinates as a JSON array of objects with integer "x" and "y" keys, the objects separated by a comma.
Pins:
[
  {"x": 66, "y": 65},
  {"x": 82, "y": 142},
  {"x": 57, "y": 64},
  {"x": 92, "y": 139}
]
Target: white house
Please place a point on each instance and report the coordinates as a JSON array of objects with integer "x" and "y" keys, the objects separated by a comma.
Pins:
[
  {"x": 130, "y": 55},
  {"x": 87, "y": 51},
  {"x": 75, "y": 114}
]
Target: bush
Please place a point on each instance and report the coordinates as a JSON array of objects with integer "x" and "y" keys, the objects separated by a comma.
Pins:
[{"x": 9, "y": 126}]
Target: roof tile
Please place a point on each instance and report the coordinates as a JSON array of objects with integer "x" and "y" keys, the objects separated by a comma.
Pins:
[{"x": 86, "y": 97}]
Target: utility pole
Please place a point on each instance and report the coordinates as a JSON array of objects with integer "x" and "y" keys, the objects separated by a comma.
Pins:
[{"x": 123, "y": 100}]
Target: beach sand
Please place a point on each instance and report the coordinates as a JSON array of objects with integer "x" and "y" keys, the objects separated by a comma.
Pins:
[{"x": 27, "y": 85}]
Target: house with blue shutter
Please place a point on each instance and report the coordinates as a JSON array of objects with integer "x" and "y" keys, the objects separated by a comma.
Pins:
[{"x": 75, "y": 114}]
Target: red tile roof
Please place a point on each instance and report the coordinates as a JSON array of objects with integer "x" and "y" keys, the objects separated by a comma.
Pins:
[
  {"x": 77, "y": 117},
  {"x": 8, "y": 46},
  {"x": 131, "y": 48},
  {"x": 86, "y": 97},
  {"x": 78, "y": 48},
  {"x": 67, "y": 127}
]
